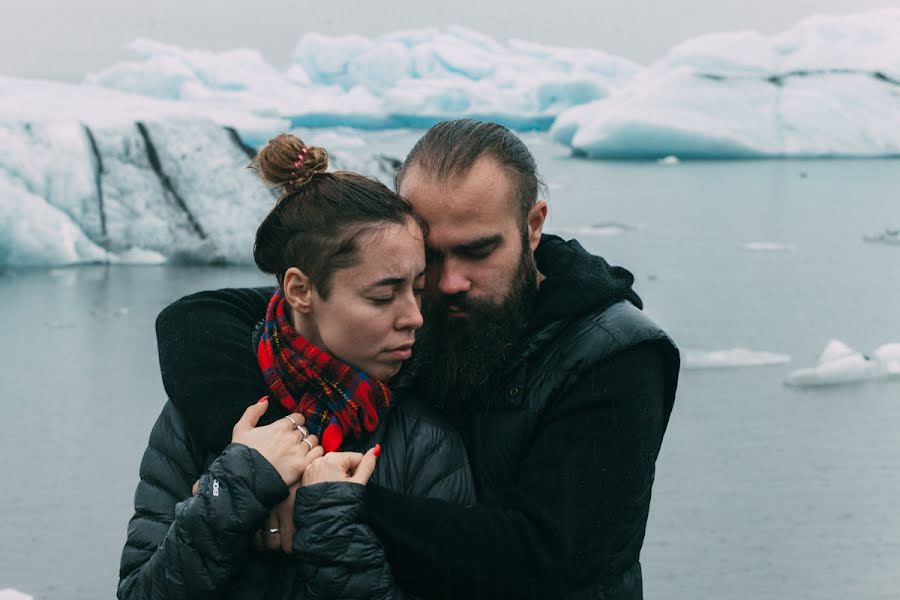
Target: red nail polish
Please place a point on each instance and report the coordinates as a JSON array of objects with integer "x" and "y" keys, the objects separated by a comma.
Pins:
[
  {"x": 377, "y": 450},
  {"x": 263, "y": 399}
]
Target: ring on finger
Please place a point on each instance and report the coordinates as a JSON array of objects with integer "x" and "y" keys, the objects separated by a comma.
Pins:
[
  {"x": 307, "y": 442},
  {"x": 303, "y": 430},
  {"x": 272, "y": 531},
  {"x": 291, "y": 419}
]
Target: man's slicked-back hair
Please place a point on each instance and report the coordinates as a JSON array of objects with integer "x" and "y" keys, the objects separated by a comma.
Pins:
[{"x": 450, "y": 149}]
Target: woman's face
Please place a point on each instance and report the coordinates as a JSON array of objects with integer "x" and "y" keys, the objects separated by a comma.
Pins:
[{"x": 372, "y": 313}]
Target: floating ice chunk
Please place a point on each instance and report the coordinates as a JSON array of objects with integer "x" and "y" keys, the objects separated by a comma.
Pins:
[
  {"x": 827, "y": 87},
  {"x": 402, "y": 79},
  {"x": 601, "y": 229},
  {"x": 888, "y": 356},
  {"x": 838, "y": 364},
  {"x": 669, "y": 160},
  {"x": 768, "y": 247},
  {"x": 734, "y": 357},
  {"x": 11, "y": 594},
  {"x": 890, "y": 237}
]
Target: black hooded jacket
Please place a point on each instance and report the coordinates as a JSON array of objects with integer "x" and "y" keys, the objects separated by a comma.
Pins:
[{"x": 563, "y": 461}]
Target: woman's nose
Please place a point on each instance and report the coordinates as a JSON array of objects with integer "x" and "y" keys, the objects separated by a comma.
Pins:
[{"x": 410, "y": 315}]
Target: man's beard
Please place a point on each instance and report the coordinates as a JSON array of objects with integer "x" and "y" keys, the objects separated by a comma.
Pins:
[{"x": 459, "y": 363}]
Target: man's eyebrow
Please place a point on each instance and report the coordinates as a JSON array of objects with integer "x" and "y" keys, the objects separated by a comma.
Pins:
[
  {"x": 479, "y": 243},
  {"x": 393, "y": 281}
]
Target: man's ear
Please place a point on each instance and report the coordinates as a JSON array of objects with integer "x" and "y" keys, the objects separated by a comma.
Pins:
[
  {"x": 298, "y": 290},
  {"x": 536, "y": 218}
]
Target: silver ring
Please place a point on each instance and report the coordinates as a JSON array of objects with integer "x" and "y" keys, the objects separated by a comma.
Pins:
[
  {"x": 307, "y": 442},
  {"x": 272, "y": 531},
  {"x": 288, "y": 417},
  {"x": 303, "y": 430}
]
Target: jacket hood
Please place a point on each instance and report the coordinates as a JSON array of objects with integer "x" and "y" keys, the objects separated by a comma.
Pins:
[{"x": 576, "y": 282}]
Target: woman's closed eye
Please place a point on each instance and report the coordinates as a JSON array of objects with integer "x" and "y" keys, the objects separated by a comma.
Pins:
[{"x": 385, "y": 300}]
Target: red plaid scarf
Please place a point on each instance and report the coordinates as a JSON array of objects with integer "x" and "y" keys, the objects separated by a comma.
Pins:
[{"x": 338, "y": 401}]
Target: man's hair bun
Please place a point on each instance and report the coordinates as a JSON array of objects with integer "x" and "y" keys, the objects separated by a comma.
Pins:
[{"x": 287, "y": 162}]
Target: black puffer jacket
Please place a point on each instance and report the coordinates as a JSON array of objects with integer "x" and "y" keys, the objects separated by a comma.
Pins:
[
  {"x": 564, "y": 460},
  {"x": 183, "y": 546}
]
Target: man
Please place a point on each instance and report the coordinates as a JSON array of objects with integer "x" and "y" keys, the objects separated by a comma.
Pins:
[{"x": 539, "y": 354}]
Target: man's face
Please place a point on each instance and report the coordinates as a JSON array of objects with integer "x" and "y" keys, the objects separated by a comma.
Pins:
[
  {"x": 480, "y": 279},
  {"x": 474, "y": 244}
]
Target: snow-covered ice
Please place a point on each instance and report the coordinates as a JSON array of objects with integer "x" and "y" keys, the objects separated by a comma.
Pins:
[
  {"x": 11, "y": 594},
  {"x": 731, "y": 358},
  {"x": 402, "y": 79},
  {"x": 79, "y": 184},
  {"x": 830, "y": 86},
  {"x": 840, "y": 364}
]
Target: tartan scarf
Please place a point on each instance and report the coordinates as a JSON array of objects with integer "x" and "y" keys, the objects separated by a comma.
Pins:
[{"x": 338, "y": 401}]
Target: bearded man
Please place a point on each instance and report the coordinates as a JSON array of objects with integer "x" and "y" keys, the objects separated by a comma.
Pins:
[{"x": 535, "y": 350}]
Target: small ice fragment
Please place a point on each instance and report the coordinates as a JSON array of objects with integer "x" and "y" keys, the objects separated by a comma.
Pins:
[
  {"x": 838, "y": 363},
  {"x": 768, "y": 247},
  {"x": 11, "y": 594},
  {"x": 891, "y": 237},
  {"x": 888, "y": 357},
  {"x": 734, "y": 357},
  {"x": 669, "y": 160}
]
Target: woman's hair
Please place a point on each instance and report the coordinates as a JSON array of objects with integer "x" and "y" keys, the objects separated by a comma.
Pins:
[{"x": 321, "y": 218}]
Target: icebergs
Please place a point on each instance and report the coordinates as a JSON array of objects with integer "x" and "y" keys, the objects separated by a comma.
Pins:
[
  {"x": 95, "y": 187},
  {"x": 11, "y": 594},
  {"x": 830, "y": 86},
  {"x": 841, "y": 364},
  {"x": 403, "y": 79},
  {"x": 731, "y": 358}
]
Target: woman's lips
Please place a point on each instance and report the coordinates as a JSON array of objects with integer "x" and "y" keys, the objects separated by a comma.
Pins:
[{"x": 401, "y": 352}]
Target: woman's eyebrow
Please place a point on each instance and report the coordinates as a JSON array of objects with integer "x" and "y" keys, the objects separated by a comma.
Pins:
[{"x": 393, "y": 281}]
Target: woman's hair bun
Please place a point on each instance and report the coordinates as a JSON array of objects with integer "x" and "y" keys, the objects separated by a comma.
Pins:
[{"x": 287, "y": 161}]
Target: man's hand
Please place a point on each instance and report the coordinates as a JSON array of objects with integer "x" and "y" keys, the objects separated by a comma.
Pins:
[
  {"x": 281, "y": 518},
  {"x": 350, "y": 467}
]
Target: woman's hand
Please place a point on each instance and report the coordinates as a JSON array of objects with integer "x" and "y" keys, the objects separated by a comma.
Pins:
[
  {"x": 283, "y": 444},
  {"x": 351, "y": 467}
]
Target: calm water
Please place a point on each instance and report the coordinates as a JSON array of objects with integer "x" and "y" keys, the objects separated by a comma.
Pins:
[{"x": 762, "y": 491}]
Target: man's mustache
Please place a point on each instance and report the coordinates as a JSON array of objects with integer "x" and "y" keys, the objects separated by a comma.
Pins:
[{"x": 443, "y": 303}]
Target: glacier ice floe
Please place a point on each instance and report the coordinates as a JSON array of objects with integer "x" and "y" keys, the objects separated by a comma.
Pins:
[
  {"x": 840, "y": 364},
  {"x": 402, "y": 79},
  {"x": 83, "y": 185},
  {"x": 830, "y": 86}
]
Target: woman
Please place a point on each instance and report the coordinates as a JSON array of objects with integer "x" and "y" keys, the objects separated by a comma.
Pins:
[{"x": 348, "y": 255}]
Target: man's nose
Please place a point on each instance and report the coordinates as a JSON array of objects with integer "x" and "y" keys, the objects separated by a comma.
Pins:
[{"x": 453, "y": 279}]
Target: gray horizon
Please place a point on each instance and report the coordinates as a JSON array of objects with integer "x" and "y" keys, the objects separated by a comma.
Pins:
[{"x": 50, "y": 39}]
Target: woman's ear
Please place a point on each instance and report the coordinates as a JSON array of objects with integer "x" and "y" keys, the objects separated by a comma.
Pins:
[{"x": 298, "y": 290}]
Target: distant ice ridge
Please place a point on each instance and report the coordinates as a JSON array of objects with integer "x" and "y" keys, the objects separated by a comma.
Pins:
[
  {"x": 731, "y": 358},
  {"x": 830, "y": 86},
  {"x": 841, "y": 364},
  {"x": 402, "y": 79},
  {"x": 89, "y": 185},
  {"x": 11, "y": 594}
]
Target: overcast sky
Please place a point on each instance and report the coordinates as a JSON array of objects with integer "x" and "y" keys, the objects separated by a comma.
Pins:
[{"x": 64, "y": 39}]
